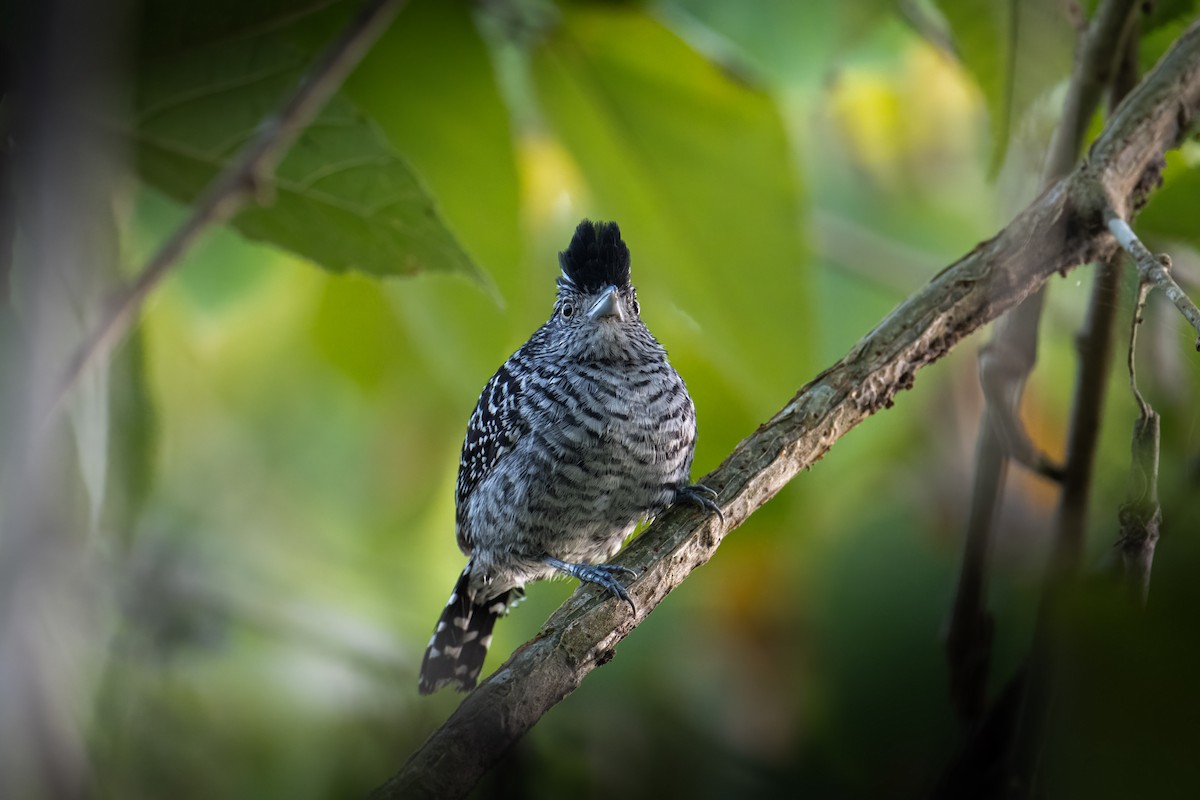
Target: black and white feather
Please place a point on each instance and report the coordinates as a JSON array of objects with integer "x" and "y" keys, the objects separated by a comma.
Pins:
[
  {"x": 595, "y": 258},
  {"x": 581, "y": 434}
]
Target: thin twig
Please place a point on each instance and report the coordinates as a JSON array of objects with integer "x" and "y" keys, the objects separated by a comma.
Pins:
[
  {"x": 1140, "y": 517},
  {"x": 1059, "y": 230},
  {"x": 1095, "y": 342},
  {"x": 1095, "y": 356},
  {"x": 1025, "y": 748},
  {"x": 1135, "y": 322},
  {"x": 246, "y": 178},
  {"x": 1154, "y": 269},
  {"x": 1004, "y": 367}
]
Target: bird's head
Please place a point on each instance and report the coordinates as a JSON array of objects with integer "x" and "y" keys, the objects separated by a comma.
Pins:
[{"x": 597, "y": 305}]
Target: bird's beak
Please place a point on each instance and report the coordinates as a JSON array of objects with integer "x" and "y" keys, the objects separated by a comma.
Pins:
[{"x": 609, "y": 305}]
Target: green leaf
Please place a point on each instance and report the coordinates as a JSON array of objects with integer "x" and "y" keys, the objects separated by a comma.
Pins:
[
  {"x": 1016, "y": 50},
  {"x": 449, "y": 119},
  {"x": 343, "y": 196},
  {"x": 696, "y": 168},
  {"x": 1172, "y": 211}
]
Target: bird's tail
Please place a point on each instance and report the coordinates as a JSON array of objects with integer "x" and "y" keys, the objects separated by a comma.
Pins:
[{"x": 460, "y": 641}]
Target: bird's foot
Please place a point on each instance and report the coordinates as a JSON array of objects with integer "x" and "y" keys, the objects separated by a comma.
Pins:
[
  {"x": 603, "y": 575},
  {"x": 698, "y": 494}
]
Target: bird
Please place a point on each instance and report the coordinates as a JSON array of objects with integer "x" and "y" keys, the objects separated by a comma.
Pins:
[{"x": 583, "y": 433}]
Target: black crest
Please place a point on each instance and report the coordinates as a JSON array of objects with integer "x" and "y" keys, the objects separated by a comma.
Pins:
[{"x": 596, "y": 257}]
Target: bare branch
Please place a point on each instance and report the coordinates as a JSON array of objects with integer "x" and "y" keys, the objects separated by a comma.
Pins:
[
  {"x": 242, "y": 181},
  {"x": 1064, "y": 227},
  {"x": 1155, "y": 270},
  {"x": 1004, "y": 367},
  {"x": 1095, "y": 342},
  {"x": 1024, "y": 750},
  {"x": 1135, "y": 321}
]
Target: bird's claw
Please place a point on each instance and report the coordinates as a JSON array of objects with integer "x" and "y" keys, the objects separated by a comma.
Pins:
[
  {"x": 603, "y": 575},
  {"x": 698, "y": 494}
]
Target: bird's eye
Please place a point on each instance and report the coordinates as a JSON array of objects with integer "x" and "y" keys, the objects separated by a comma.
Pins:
[{"x": 568, "y": 310}]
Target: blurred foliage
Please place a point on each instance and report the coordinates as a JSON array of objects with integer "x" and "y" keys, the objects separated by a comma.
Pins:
[
  {"x": 282, "y": 440},
  {"x": 341, "y": 197},
  {"x": 1015, "y": 51},
  {"x": 714, "y": 174},
  {"x": 1169, "y": 214}
]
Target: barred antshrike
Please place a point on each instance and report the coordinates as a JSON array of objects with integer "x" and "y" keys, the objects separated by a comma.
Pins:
[{"x": 582, "y": 433}]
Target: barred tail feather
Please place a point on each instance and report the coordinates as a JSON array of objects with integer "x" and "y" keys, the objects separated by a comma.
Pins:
[{"x": 460, "y": 641}]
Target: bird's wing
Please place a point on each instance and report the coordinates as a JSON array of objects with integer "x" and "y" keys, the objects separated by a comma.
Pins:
[{"x": 493, "y": 431}]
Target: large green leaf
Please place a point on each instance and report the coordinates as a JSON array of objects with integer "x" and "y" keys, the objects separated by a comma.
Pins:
[
  {"x": 430, "y": 85},
  {"x": 696, "y": 168},
  {"x": 342, "y": 197},
  {"x": 1016, "y": 50}
]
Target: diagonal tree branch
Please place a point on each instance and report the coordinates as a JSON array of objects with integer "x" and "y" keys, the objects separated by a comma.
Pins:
[
  {"x": 245, "y": 179},
  {"x": 1063, "y": 228}
]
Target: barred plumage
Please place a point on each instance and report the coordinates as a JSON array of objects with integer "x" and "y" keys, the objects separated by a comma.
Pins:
[{"x": 582, "y": 433}]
